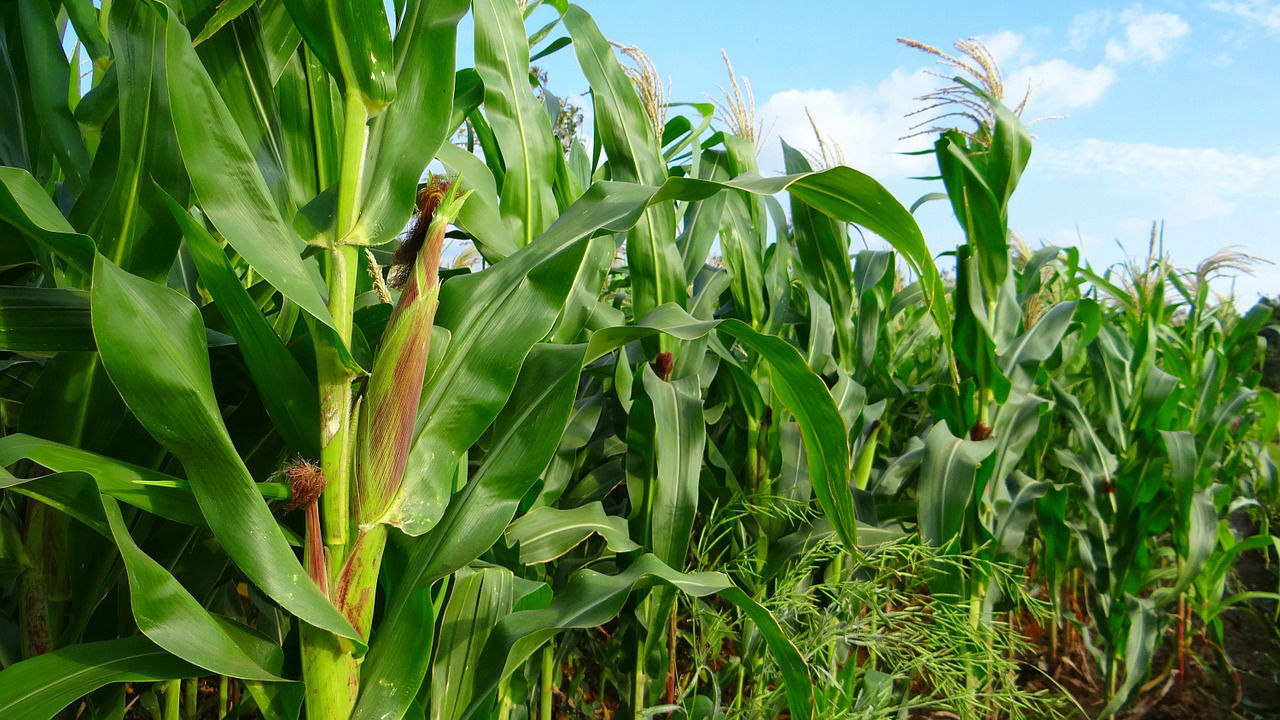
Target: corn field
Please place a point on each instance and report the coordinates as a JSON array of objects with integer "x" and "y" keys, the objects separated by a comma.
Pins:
[{"x": 338, "y": 381}]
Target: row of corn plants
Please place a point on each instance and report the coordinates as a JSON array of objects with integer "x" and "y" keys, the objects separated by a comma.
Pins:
[{"x": 671, "y": 444}]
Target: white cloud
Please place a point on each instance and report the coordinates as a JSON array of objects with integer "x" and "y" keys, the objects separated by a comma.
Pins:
[
  {"x": 1208, "y": 170},
  {"x": 1150, "y": 37},
  {"x": 867, "y": 123},
  {"x": 1266, "y": 14},
  {"x": 1007, "y": 47},
  {"x": 1058, "y": 86},
  {"x": 1088, "y": 25},
  {"x": 1190, "y": 184},
  {"x": 1138, "y": 36}
]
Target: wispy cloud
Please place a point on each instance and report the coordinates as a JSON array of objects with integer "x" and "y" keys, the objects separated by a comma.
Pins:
[
  {"x": 1132, "y": 34},
  {"x": 1265, "y": 14},
  {"x": 1088, "y": 25},
  {"x": 1189, "y": 183},
  {"x": 1207, "y": 198},
  {"x": 1147, "y": 36}
]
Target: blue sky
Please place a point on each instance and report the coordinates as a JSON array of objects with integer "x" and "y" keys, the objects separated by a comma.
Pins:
[{"x": 1171, "y": 106}]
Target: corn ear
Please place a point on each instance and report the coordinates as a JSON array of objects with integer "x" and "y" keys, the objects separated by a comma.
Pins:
[{"x": 390, "y": 406}]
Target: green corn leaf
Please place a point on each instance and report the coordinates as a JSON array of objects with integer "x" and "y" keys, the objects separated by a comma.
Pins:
[
  {"x": 1021, "y": 358},
  {"x": 1139, "y": 648},
  {"x": 823, "y": 248},
  {"x": 26, "y": 206},
  {"x": 873, "y": 282},
  {"x": 468, "y": 94},
  {"x": 947, "y": 481},
  {"x": 480, "y": 216},
  {"x": 227, "y": 11},
  {"x": 679, "y": 435},
  {"x": 301, "y": 142},
  {"x": 290, "y": 398},
  {"x": 44, "y": 320},
  {"x": 100, "y": 103},
  {"x": 276, "y": 700},
  {"x": 523, "y": 131},
  {"x": 71, "y": 493},
  {"x": 48, "y": 80},
  {"x": 826, "y": 441},
  {"x": 75, "y": 491},
  {"x": 227, "y": 181},
  {"x": 1181, "y": 448},
  {"x": 743, "y": 259},
  {"x": 1010, "y": 151},
  {"x": 147, "y": 490},
  {"x": 167, "y": 613},
  {"x": 310, "y": 124},
  {"x": 81, "y": 13},
  {"x": 545, "y": 533},
  {"x": 583, "y": 305},
  {"x": 47, "y": 320},
  {"x": 976, "y": 333},
  {"x": 168, "y": 388},
  {"x": 1099, "y": 466},
  {"x": 237, "y": 62},
  {"x": 670, "y": 319},
  {"x": 122, "y": 209},
  {"x": 478, "y": 601},
  {"x": 976, "y": 207},
  {"x": 1014, "y": 507},
  {"x": 591, "y": 598},
  {"x": 38, "y": 688},
  {"x": 701, "y": 226},
  {"x": 850, "y": 196},
  {"x": 1015, "y": 424},
  {"x": 1201, "y": 527},
  {"x": 627, "y": 137},
  {"x": 15, "y": 112},
  {"x": 353, "y": 40},
  {"x": 668, "y": 443},
  {"x": 800, "y": 390}
]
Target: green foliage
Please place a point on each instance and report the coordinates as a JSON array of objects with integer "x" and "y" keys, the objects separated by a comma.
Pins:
[{"x": 674, "y": 449}]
